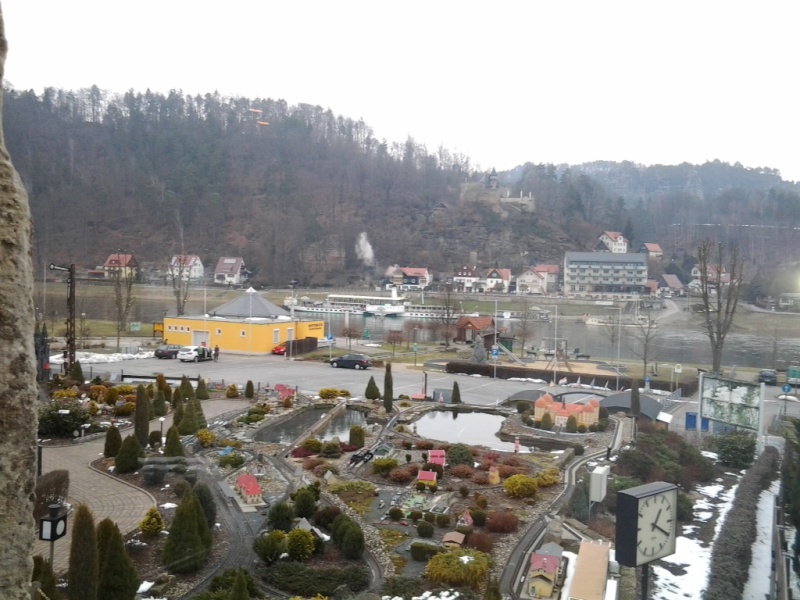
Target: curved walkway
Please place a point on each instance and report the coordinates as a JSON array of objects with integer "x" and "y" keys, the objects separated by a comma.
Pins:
[{"x": 106, "y": 496}]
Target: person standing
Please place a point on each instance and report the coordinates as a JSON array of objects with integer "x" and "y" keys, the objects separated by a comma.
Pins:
[{"x": 216, "y": 353}]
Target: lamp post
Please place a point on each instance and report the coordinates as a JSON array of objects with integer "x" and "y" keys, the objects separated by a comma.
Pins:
[
  {"x": 619, "y": 335},
  {"x": 161, "y": 422},
  {"x": 250, "y": 292},
  {"x": 83, "y": 331}
]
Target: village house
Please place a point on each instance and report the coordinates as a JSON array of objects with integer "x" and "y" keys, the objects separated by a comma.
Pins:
[
  {"x": 538, "y": 279},
  {"x": 545, "y": 570},
  {"x": 124, "y": 264},
  {"x": 437, "y": 457},
  {"x": 230, "y": 270},
  {"x": 715, "y": 275},
  {"x": 408, "y": 278},
  {"x": 453, "y": 539},
  {"x": 670, "y": 284},
  {"x": 653, "y": 251},
  {"x": 249, "y": 489},
  {"x": 186, "y": 267},
  {"x": 427, "y": 477},
  {"x": 498, "y": 280},
  {"x": 613, "y": 241}
]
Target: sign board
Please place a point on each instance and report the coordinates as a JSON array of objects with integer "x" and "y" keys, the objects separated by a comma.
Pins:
[
  {"x": 732, "y": 402},
  {"x": 415, "y": 347},
  {"x": 598, "y": 483},
  {"x": 136, "y": 326},
  {"x": 786, "y": 388},
  {"x": 158, "y": 328},
  {"x": 793, "y": 375},
  {"x": 678, "y": 368}
]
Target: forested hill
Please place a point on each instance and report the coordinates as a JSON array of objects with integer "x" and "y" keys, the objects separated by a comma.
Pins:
[{"x": 290, "y": 188}]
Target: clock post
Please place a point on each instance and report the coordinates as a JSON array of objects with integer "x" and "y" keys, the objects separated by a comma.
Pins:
[
  {"x": 646, "y": 526},
  {"x": 53, "y": 527}
]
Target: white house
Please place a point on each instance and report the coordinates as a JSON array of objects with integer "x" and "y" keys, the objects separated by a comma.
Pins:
[
  {"x": 466, "y": 279},
  {"x": 498, "y": 280},
  {"x": 230, "y": 271},
  {"x": 614, "y": 241},
  {"x": 539, "y": 279},
  {"x": 186, "y": 266}
]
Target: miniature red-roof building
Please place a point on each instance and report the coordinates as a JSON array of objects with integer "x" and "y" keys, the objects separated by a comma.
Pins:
[
  {"x": 585, "y": 414},
  {"x": 249, "y": 488},
  {"x": 437, "y": 457},
  {"x": 427, "y": 477}
]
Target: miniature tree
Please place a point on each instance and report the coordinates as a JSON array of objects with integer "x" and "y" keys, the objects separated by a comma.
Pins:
[
  {"x": 456, "y": 396},
  {"x": 141, "y": 422},
  {"x": 388, "y": 388},
  {"x": 113, "y": 442},
  {"x": 83, "y": 572},
  {"x": 174, "y": 446},
  {"x": 160, "y": 404},
  {"x": 201, "y": 393},
  {"x": 127, "y": 460},
  {"x": 249, "y": 391},
  {"x": 372, "y": 393}
]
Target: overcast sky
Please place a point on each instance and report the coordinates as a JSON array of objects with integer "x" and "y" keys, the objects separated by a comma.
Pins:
[{"x": 502, "y": 82}]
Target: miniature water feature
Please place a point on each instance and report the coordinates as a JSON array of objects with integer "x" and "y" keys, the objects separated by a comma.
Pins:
[
  {"x": 473, "y": 428},
  {"x": 290, "y": 430}
]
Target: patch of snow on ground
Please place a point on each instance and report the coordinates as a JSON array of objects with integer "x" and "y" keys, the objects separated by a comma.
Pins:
[
  {"x": 89, "y": 358},
  {"x": 761, "y": 565},
  {"x": 692, "y": 557}
]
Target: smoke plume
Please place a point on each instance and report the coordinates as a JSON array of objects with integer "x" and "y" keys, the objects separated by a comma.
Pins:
[{"x": 364, "y": 250}]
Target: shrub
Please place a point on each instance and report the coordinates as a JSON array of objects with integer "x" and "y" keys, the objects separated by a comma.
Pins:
[
  {"x": 465, "y": 529},
  {"x": 523, "y": 406},
  {"x": 424, "y": 445},
  {"x": 201, "y": 393},
  {"x": 325, "y": 515},
  {"x": 420, "y": 486},
  {"x": 331, "y": 449},
  {"x": 459, "y": 454},
  {"x": 400, "y": 475},
  {"x": 333, "y": 393},
  {"x": 443, "y": 520},
  {"x": 249, "y": 390},
  {"x": 234, "y": 461},
  {"x": 152, "y": 524},
  {"x": 280, "y": 516},
  {"x": 507, "y": 471},
  {"x": 548, "y": 477},
  {"x": 527, "y": 421},
  {"x": 113, "y": 442},
  {"x": 154, "y": 474},
  {"x": 181, "y": 488},
  {"x": 481, "y": 501},
  {"x": 424, "y": 529},
  {"x": 480, "y": 478},
  {"x": 301, "y": 453},
  {"x": 300, "y": 545},
  {"x": 581, "y": 428},
  {"x": 429, "y": 517},
  {"x": 505, "y": 522},
  {"x": 383, "y": 466},
  {"x": 480, "y": 541},
  {"x": 415, "y": 515},
  {"x": 320, "y": 470},
  {"x": 463, "y": 491},
  {"x": 451, "y": 568},
  {"x": 127, "y": 460},
  {"x": 206, "y": 438},
  {"x": 357, "y": 436},
  {"x": 154, "y": 439},
  {"x": 578, "y": 449},
  {"x": 421, "y": 552},
  {"x": 395, "y": 513},
  {"x": 310, "y": 464},
  {"x": 572, "y": 424},
  {"x": 287, "y": 402},
  {"x": 232, "y": 391},
  {"x": 478, "y": 517},
  {"x": 313, "y": 445},
  {"x": 299, "y": 580},
  {"x": 98, "y": 392},
  {"x": 521, "y": 486}
]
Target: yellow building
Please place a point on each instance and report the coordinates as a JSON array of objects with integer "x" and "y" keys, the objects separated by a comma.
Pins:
[{"x": 249, "y": 324}]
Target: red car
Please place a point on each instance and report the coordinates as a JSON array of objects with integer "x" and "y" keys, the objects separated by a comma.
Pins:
[{"x": 280, "y": 349}]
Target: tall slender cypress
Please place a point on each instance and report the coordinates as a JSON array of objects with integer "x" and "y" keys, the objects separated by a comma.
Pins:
[
  {"x": 141, "y": 422},
  {"x": 118, "y": 577},
  {"x": 83, "y": 575},
  {"x": 388, "y": 388},
  {"x": 173, "y": 446}
]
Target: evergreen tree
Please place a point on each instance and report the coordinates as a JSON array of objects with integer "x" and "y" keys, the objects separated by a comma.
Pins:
[
  {"x": 168, "y": 396},
  {"x": 207, "y": 503},
  {"x": 118, "y": 577},
  {"x": 188, "y": 424},
  {"x": 77, "y": 372},
  {"x": 239, "y": 590},
  {"x": 159, "y": 404},
  {"x": 492, "y": 591},
  {"x": 388, "y": 388},
  {"x": 104, "y": 532},
  {"x": 113, "y": 442},
  {"x": 202, "y": 527},
  {"x": 184, "y": 551},
  {"x": 128, "y": 458},
  {"x": 83, "y": 574},
  {"x": 547, "y": 421},
  {"x": 372, "y": 392},
  {"x": 43, "y": 573},
  {"x": 180, "y": 410},
  {"x": 161, "y": 382},
  {"x": 249, "y": 391},
  {"x": 456, "y": 397},
  {"x": 152, "y": 524},
  {"x": 357, "y": 436},
  {"x": 187, "y": 391},
  {"x": 151, "y": 411},
  {"x": 199, "y": 415},
  {"x": 352, "y": 545},
  {"x": 141, "y": 422},
  {"x": 304, "y": 503},
  {"x": 202, "y": 390},
  {"x": 174, "y": 446},
  {"x": 280, "y": 516}
]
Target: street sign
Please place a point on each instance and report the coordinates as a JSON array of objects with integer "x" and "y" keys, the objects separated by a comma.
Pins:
[
  {"x": 329, "y": 337},
  {"x": 495, "y": 353},
  {"x": 786, "y": 388},
  {"x": 415, "y": 346},
  {"x": 793, "y": 374},
  {"x": 678, "y": 368}
]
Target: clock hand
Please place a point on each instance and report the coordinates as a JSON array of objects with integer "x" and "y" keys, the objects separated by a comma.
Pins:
[
  {"x": 664, "y": 531},
  {"x": 654, "y": 524}
]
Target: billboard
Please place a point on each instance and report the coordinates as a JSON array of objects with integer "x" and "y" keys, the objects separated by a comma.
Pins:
[{"x": 732, "y": 402}]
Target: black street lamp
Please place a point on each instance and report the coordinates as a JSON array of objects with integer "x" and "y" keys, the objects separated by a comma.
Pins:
[{"x": 53, "y": 527}]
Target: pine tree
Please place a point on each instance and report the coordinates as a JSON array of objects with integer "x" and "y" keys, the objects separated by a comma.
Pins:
[
  {"x": 304, "y": 503},
  {"x": 141, "y": 422},
  {"x": 113, "y": 442},
  {"x": 104, "y": 532},
  {"x": 152, "y": 524},
  {"x": 160, "y": 404},
  {"x": 456, "y": 397},
  {"x": 249, "y": 391},
  {"x": 202, "y": 391},
  {"x": 207, "y": 503},
  {"x": 388, "y": 388},
  {"x": 77, "y": 372},
  {"x": 168, "y": 396},
  {"x": 636, "y": 403},
  {"x": 180, "y": 410},
  {"x": 239, "y": 590},
  {"x": 184, "y": 551},
  {"x": 202, "y": 527},
  {"x": 118, "y": 577},
  {"x": 151, "y": 411},
  {"x": 187, "y": 391},
  {"x": 492, "y": 591},
  {"x": 357, "y": 436},
  {"x": 83, "y": 574},
  {"x": 372, "y": 392},
  {"x": 128, "y": 458},
  {"x": 174, "y": 446}
]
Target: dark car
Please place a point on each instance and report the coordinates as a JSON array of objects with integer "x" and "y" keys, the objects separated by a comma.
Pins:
[
  {"x": 352, "y": 361},
  {"x": 768, "y": 376},
  {"x": 167, "y": 351}
]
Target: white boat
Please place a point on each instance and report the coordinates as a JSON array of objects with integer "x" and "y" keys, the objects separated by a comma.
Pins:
[
  {"x": 639, "y": 321},
  {"x": 340, "y": 304},
  {"x": 432, "y": 311}
]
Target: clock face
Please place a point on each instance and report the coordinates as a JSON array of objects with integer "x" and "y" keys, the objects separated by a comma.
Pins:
[{"x": 656, "y": 524}]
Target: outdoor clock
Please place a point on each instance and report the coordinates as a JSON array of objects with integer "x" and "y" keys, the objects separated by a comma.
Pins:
[{"x": 646, "y": 523}]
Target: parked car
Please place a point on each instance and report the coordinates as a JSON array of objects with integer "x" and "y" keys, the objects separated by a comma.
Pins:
[
  {"x": 167, "y": 351},
  {"x": 768, "y": 376},
  {"x": 352, "y": 361},
  {"x": 280, "y": 349},
  {"x": 195, "y": 354}
]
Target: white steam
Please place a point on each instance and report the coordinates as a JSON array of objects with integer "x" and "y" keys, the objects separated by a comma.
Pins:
[{"x": 364, "y": 250}]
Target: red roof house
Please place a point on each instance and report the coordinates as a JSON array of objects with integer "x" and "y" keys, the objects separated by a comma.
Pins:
[{"x": 427, "y": 477}]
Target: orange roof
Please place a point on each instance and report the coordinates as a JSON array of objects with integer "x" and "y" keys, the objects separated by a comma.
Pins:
[
  {"x": 249, "y": 485},
  {"x": 119, "y": 260},
  {"x": 549, "y": 269}
]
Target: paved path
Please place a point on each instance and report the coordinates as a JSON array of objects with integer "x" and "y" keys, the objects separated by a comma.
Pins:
[{"x": 105, "y": 495}]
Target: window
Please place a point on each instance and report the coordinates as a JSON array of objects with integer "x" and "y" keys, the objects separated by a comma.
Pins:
[
  {"x": 276, "y": 336},
  {"x": 219, "y": 331},
  {"x": 242, "y": 333},
  {"x": 181, "y": 327}
]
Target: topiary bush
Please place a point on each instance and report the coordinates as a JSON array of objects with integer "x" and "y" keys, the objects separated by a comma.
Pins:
[
  {"x": 232, "y": 391},
  {"x": 396, "y": 513},
  {"x": 505, "y": 522},
  {"x": 424, "y": 529},
  {"x": 234, "y": 461}
]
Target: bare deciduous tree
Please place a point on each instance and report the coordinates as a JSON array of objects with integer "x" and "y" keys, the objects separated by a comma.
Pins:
[
  {"x": 524, "y": 328},
  {"x": 449, "y": 315},
  {"x": 643, "y": 340},
  {"x": 177, "y": 273},
  {"x": 720, "y": 283}
]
